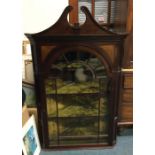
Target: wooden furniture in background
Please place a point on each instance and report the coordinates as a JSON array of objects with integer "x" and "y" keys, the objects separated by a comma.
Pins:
[
  {"x": 126, "y": 98},
  {"x": 103, "y": 11}
]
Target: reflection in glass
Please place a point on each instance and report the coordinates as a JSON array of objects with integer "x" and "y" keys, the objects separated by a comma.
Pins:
[{"x": 77, "y": 106}]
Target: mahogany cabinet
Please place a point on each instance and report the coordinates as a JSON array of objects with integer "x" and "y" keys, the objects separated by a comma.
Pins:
[{"x": 77, "y": 71}]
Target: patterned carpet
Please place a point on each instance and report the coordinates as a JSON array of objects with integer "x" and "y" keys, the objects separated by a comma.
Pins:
[{"x": 124, "y": 146}]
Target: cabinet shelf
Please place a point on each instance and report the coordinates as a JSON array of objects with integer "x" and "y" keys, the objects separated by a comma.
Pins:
[
  {"x": 103, "y": 94},
  {"x": 51, "y": 118},
  {"x": 63, "y": 87},
  {"x": 79, "y": 138}
]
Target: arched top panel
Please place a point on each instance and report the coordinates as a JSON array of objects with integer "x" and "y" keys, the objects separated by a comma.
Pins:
[{"x": 82, "y": 53}]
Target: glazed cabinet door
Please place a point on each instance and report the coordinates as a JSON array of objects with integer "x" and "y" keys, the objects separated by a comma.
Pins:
[{"x": 77, "y": 100}]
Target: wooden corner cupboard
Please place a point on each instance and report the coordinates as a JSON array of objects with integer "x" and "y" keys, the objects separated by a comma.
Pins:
[{"x": 77, "y": 70}]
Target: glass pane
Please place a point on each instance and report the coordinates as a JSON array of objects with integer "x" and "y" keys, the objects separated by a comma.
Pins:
[
  {"x": 50, "y": 86},
  {"x": 53, "y": 132},
  {"x": 76, "y": 126},
  {"x": 104, "y": 125},
  {"x": 103, "y": 106},
  {"x": 77, "y": 106},
  {"x": 86, "y": 3},
  {"x": 65, "y": 87},
  {"x": 51, "y": 105},
  {"x": 78, "y": 130}
]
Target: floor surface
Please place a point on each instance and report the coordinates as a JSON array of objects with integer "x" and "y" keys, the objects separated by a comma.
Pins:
[{"x": 124, "y": 146}]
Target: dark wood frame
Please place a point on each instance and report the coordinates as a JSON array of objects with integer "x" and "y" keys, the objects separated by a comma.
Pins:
[{"x": 90, "y": 35}]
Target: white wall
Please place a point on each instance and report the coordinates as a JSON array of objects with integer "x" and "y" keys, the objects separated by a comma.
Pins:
[{"x": 41, "y": 14}]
